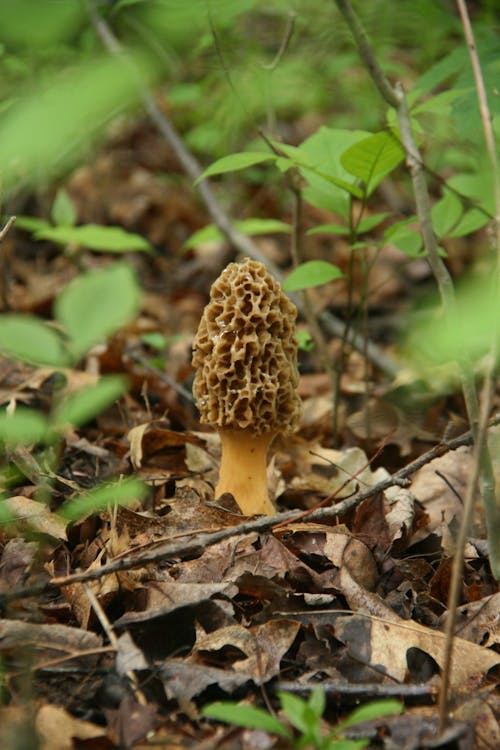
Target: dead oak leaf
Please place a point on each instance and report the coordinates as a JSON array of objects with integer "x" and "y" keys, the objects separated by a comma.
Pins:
[
  {"x": 183, "y": 679},
  {"x": 262, "y": 645},
  {"x": 385, "y": 646},
  {"x": 57, "y": 729}
]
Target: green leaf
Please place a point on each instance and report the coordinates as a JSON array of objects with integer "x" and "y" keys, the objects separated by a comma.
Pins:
[
  {"x": 63, "y": 209},
  {"x": 87, "y": 403},
  {"x": 120, "y": 493},
  {"x": 245, "y": 716},
  {"x": 96, "y": 304},
  {"x": 317, "y": 701},
  {"x": 301, "y": 715},
  {"x": 6, "y": 515},
  {"x": 329, "y": 229},
  {"x": 62, "y": 113},
  {"x": 312, "y": 273},
  {"x": 330, "y": 185},
  {"x": 373, "y": 711},
  {"x": 367, "y": 223},
  {"x": 470, "y": 222},
  {"x": 408, "y": 240},
  {"x": 234, "y": 162},
  {"x": 250, "y": 227},
  {"x": 373, "y": 158},
  {"x": 438, "y": 339},
  {"x": 31, "y": 224},
  {"x": 305, "y": 341},
  {"x": 446, "y": 214},
  {"x": 23, "y": 427},
  {"x": 95, "y": 237},
  {"x": 29, "y": 339}
]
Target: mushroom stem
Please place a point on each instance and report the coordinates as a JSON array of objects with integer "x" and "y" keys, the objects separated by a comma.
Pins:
[{"x": 243, "y": 470}]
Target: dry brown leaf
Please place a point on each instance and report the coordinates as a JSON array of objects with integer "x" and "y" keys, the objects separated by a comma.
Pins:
[
  {"x": 440, "y": 502},
  {"x": 479, "y": 621},
  {"x": 36, "y": 516},
  {"x": 384, "y": 645},
  {"x": 183, "y": 679},
  {"x": 328, "y": 471},
  {"x": 264, "y": 646},
  {"x": 57, "y": 728},
  {"x": 104, "y": 588},
  {"x": 47, "y": 642},
  {"x": 336, "y": 543}
]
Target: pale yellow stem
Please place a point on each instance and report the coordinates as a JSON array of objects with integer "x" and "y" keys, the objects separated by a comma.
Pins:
[{"x": 243, "y": 470}]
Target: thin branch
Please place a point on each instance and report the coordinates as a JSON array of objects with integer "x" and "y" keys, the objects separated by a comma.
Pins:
[
  {"x": 243, "y": 244},
  {"x": 199, "y": 542}
]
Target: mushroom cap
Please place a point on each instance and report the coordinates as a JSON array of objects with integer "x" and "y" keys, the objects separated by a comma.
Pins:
[{"x": 246, "y": 353}]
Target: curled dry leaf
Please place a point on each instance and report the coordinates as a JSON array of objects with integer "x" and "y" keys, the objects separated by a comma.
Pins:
[
  {"x": 441, "y": 503},
  {"x": 183, "y": 680},
  {"x": 36, "y": 516},
  {"x": 479, "y": 621},
  {"x": 58, "y": 730},
  {"x": 48, "y": 641},
  {"x": 335, "y": 543},
  {"x": 263, "y": 645}
]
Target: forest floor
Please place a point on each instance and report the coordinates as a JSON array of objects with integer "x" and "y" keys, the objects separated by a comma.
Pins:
[{"x": 181, "y": 602}]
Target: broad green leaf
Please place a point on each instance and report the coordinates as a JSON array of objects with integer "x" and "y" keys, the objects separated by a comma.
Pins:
[
  {"x": 439, "y": 339},
  {"x": 368, "y": 223},
  {"x": 300, "y": 714},
  {"x": 408, "y": 241},
  {"x": 478, "y": 187},
  {"x": 312, "y": 273},
  {"x": 439, "y": 104},
  {"x": 470, "y": 222},
  {"x": 245, "y": 716},
  {"x": 86, "y": 404},
  {"x": 63, "y": 209},
  {"x": 96, "y": 304},
  {"x": 63, "y": 112},
  {"x": 373, "y": 158},
  {"x": 329, "y": 229},
  {"x": 95, "y": 237},
  {"x": 251, "y": 227},
  {"x": 31, "y": 223},
  {"x": 372, "y": 711},
  {"x": 446, "y": 214},
  {"x": 120, "y": 493},
  {"x": 405, "y": 237},
  {"x": 317, "y": 700},
  {"x": 330, "y": 185},
  {"x": 29, "y": 339},
  {"x": 234, "y": 162},
  {"x": 23, "y": 427}
]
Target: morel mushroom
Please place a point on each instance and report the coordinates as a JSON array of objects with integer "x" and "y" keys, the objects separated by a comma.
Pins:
[{"x": 246, "y": 354}]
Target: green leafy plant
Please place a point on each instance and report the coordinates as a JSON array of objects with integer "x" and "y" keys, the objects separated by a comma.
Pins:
[
  {"x": 63, "y": 231},
  {"x": 90, "y": 308},
  {"x": 302, "y": 720}
]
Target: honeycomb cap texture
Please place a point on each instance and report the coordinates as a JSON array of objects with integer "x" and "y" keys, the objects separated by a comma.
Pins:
[{"x": 245, "y": 352}]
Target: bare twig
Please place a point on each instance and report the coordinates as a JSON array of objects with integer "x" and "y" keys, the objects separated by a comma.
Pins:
[
  {"x": 198, "y": 542},
  {"x": 482, "y": 467},
  {"x": 365, "y": 690},
  {"x": 6, "y": 228},
  {"x": 243, "y": 244}
]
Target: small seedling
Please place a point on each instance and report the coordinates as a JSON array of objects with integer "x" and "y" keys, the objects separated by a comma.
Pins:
[{"x": 302, "y": 723}]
